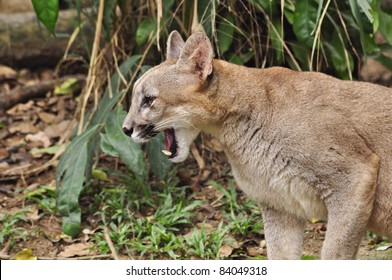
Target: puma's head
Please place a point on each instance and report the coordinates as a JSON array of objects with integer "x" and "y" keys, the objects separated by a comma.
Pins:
[{"x": 170, "y": 97}]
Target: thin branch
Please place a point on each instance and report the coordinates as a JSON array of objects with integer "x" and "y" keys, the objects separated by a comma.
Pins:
[{"x": 110, "y": 243}]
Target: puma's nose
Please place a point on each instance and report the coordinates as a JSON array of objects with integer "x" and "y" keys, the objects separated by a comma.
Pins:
[{"x": 127, "y": 131}]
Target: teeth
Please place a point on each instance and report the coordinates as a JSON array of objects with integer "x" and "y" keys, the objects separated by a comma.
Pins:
[{"x": 166, "y": 152}]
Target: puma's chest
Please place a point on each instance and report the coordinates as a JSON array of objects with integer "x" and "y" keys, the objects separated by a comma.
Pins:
[{"x": 279, "y": 188}]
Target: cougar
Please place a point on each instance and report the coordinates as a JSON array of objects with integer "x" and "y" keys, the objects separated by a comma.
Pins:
[{"x": 301, "y": 144}]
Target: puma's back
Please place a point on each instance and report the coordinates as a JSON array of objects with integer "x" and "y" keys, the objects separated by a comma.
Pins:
[{"x": 301, "y": 144}]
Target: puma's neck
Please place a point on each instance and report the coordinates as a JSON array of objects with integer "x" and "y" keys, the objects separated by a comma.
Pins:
[{"x": 241, "y": 99}]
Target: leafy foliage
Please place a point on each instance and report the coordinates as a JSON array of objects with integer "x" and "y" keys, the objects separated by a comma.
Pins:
[{"x": 47, "y": 12}]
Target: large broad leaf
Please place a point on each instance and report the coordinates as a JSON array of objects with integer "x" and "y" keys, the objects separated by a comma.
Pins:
[
  {"x": 116, "y": 143},
  {"x": 276, "y": 33},
  {"x": 366, "y": 9},
  {"x": 70, "y": 174},
  {"x": 47, "y": 12},
  {"x": 75, "y": 164},
  {"x": 146, "y": 28},
  {"x": 305, "y": 19},
  {"x": 341, "y": 57},
  {"x": 108, "y": 14},
  {"x": 160, "y": 164},
  {"x": 385, "y": 26},
  {"x": 367, "y": 38},
  {"x": 225, "y": 33}
]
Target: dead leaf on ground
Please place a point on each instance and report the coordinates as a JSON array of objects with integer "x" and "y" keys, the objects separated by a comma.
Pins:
[
  {"x": 225, "y": 251},
  {"x": 23, "y": 127},
  {"x": 7, "y": 73},
  {"x": 57, "y": 130},
  {"x": 76, "y": 250},
  {"x": 4, "y": 153},
  {"x": 20, "y": 108},
  {"x": 46, "y": 117},
  {"x": 40, "y": 137},
  {"x": 25, "y": 254},
  {"x": 254, "y": 251},
  {"x": 208, "y": 227}
]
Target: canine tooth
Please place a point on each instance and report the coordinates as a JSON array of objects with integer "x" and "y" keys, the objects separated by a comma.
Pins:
[{"x": 166, "y": 152}]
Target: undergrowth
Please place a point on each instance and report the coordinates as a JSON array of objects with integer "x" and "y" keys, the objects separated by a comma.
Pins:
[{"x": 161, "y": 225}]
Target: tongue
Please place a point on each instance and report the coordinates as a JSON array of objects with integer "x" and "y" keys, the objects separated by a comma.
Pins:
[{"x": 169, "y": 138}]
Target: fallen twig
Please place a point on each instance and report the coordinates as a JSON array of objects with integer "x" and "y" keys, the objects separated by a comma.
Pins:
[
  {"x": 110, "y": 243},
  {"x": 24, "y": 93}
]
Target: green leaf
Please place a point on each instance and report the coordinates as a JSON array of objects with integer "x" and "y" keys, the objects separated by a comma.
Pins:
[
  {"x": 99, "y": 174},
  {"x": 25, "y": 254},
  {"x": 338, "y": 53},
  {"x": 145, "y": 30},
  {"x": 386, "y": 25},
  {"x": 366, "y": 9},
  {"x": 236, "y": 59},
  {"x": 67, "y": 87},
  {"x": 117, "y": 142},
  {"x": 304, "y": 21},
  {"x": 109, "y": 8},
  {"x": 47, "y": 12},
  {"x": 367, "y": 39},
  {"x": 225, "y": 33},
  {"x": 70, "y": 175},
  {"x": 386, "y": 61},
  {"x": 49, "y": 150},
  {"x": 160, "y": 164},
  {"x": 277, "y": 39}
]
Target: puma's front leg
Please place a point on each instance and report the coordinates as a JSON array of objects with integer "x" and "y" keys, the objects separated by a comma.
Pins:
[
  {"x": 283, "y": 233},
  {"x": 349, "y": 208}
]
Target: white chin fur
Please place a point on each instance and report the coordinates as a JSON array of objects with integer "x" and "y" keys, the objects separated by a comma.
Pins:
[
  {"x": 184, "y": 138},
  {"x": 182, "y": 154}
]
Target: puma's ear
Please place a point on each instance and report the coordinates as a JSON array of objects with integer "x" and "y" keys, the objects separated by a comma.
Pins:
[
  {"x": 198, "y": 54},
  {"x": 174, "y": 45}
]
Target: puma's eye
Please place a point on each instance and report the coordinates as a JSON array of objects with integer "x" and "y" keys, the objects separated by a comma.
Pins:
[{"x": 147, "y": 101}]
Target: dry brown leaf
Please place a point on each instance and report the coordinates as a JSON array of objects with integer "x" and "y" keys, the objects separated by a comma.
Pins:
[
  {"x": 4, "y": 165},
  {"x": 23, "y": 127},
  {"x": 20, "y": 108},
  {"x": 208, "y": 227},
  {"x": 76, "y": 250},
  {"x": 57, "y": 130},
  {"x": 254, "y": 251},
  {"x": 225, "y": 251},
  {"x": 198, "y": 158},
  {"x": 4, "y": 153},
  {"x": 46, "y": 117},
  {"x": 7, "y": 73},
  {"x": 39, "y": 137}
]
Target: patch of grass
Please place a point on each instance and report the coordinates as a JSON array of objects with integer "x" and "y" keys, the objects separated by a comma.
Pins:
[
  {"x": 9, "y": 229},
  {"x": 242, "y": 216},
  {"x": 307, "y": 257},
  {"x": 206, "y": 245},
  {"x": 45, "y": 197},
  {"x": 157, "y": 221}
]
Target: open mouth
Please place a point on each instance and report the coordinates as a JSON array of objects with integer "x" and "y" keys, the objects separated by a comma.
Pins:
[{"x": 171, "y": 143}]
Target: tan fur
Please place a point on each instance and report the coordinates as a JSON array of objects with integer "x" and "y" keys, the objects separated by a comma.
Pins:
[{"x": 300, "y": 144}]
